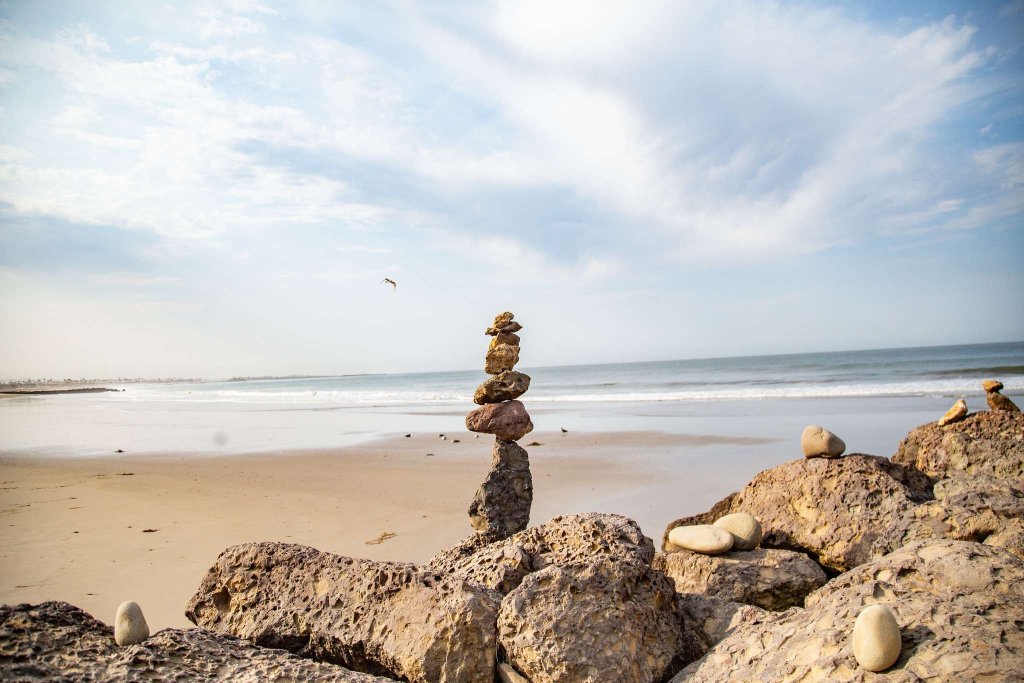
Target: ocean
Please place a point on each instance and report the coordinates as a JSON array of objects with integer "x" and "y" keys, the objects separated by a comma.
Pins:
[{"x": 876, "y": 395}]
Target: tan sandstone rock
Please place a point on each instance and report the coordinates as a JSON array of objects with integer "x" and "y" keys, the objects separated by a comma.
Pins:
[
  {"x": 507, "y": 386},
  {"x": 745, "y": 529},
  {"x": 954, "y": 414},
  {"x": 769, "y": 579},
  {"x": 378, "y": 617},
  {"x": 55, "y": 641},
  {"x": 876, "y": 641},
  {"x": 130, "y": 625},
  {"x": 999, "y": 403},
  {"x": 501, "y": 505},
  {"x": 501, "y": 358},
  {"x": 982, "y": 443},
  {"x": 508, "y": 421},
  {"x": 990, "y": 385},
  {"x": 834, "y": 510},
  {"x": 701, "y": 538},
  {"x": 961, "y": 606},
  {"x": 713, "y": 619},
  {"x": 603, "y": 620},
  {"x": 818, "y": 442},
  {"x": 563, "y": 540}
]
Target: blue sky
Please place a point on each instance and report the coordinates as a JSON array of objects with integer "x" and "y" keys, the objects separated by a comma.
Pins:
[{"x": 218, "y": 188}]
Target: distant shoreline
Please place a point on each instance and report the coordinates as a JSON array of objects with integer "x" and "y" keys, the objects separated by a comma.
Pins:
[{"x": 88, "y": 390}]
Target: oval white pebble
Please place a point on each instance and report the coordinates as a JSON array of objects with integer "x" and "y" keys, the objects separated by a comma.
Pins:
[
  {"x": 130, "y": 626},
  {"x": 876, "y": 638},
  {"x": 701, "y": 538},
  {"x": 745, "y": 529}
]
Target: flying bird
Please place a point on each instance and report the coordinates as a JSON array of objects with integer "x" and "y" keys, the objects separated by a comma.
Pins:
[{"x": 389, "y": 281}]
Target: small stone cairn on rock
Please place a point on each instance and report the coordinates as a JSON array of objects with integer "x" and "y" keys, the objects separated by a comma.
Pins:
[
  {"x": 954, "y": 414},
  {"x": 996, "y": 401},
  {"x": 736, "y": 531},
  {"x": 501, "y": 506},
  {"x": 818, "y": 442}
]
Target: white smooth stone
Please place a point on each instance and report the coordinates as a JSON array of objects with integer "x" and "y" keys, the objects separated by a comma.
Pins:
[
  {"x": 876, "y": 638},
  {"x": 130, "y": 626},
  {"x": 701, "y": 538},
  {"x": 744, "y": 527}
]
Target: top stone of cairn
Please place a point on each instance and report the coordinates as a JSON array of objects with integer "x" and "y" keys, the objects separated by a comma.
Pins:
[{"x": 503, "y": 324}]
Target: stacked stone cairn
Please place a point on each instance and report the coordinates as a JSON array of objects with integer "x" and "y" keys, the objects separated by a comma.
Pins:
[
  {"x": 996, "y": 401},
  {"x": 501, "y": 506}
]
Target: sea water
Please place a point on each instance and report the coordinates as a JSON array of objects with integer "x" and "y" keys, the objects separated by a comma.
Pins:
[{"x": 871, "y": 398}]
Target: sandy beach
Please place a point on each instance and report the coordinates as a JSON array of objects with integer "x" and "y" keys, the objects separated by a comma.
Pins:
[{"x": 76, "y": 529}]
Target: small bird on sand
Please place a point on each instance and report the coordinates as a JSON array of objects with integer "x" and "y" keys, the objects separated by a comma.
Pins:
[
  {"x": 564, "y": 430},
  {"x": 389, "y": 281}
]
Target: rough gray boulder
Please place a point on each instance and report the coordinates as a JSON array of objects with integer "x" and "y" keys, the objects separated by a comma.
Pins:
[
  {"x": 501, "y": 506},
  {"x": 959, "y": 605},
  {"x": 833, "y": 510},
  {"x": 982, "y": 443},
  {"x": 383, "y": 618},
  {"x": 55, "y": 641},
  {"x": 611, "y": 619},
  {"x": 769, "y": 579},
  {"x": 563, "y": 540},
  {"x": 713, "y": 619},
  {"x": 982, "y": 508}
]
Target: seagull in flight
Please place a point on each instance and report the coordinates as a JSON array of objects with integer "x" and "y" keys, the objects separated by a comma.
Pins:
[{"x": 389, "y": 281}]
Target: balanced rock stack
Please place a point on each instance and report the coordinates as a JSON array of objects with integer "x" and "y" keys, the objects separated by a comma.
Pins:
[
  {"x": 997, "y": 401},
  {"x": 501, "y": 506}
]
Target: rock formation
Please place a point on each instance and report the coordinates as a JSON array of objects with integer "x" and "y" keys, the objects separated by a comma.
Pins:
[
  {"x": 602, "y": 620},
  {"x": 501, "y": 506},
  {"x": 130, "y": 626},
  {"x": 982, "y": 443},
  {"x": 954, "y": 414},
  {"x": 960, "y": 606},
  {"x": 818, "y": 442},
  {"x": 996, "y": 401},
  {"x": 383, "y": 618},
  {"x": 55, "y": 641},
  {"x": 833, "y": 510},
  {"x": 769, "y": 579}
]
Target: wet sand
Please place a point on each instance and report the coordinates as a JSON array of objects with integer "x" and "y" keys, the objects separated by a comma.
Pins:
[{"x": 98, "y": 531}]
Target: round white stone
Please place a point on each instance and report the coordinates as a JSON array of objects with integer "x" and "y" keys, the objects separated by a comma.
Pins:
[
  {"x": 818, "y": 442},
  {"x": 744, "y": 527},
  {"x": 130, "y": 626},
  {"x": 701, "y": 538},
  {"x": 876, "y": 638}
]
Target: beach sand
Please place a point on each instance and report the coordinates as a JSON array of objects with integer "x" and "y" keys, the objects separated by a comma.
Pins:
[{"x": 76, "y": 529}]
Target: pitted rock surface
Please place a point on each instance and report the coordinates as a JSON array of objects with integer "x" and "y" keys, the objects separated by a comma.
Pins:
[
  {"x": 506, "y": 386},
  {"x": 960, "y": 607},
  {"x": 561, "y": 541},
  {"x": 55, "y": 641},
  {"x": 500, "y": 358},
  {"x": 508, "y": 421},
  {"x": 981, "y": 509},
  {"x": 999, "y": 403},
  {"x": 603, "y": 620},
  {"x": 833, "y": 510},
  {"x": 713, "y": 619},
  {"x": 769, "y": 579},
  {"x": 501, "y": 506},
  {"x": 982, "y": 443},
  {"x": 384, "y": 618}
]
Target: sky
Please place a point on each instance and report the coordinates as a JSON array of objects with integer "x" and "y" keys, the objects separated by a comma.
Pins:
[{"x": 213, "y": 189}]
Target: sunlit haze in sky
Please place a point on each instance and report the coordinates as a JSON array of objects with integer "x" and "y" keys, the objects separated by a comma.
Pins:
[{"x": 219, "y": 188}]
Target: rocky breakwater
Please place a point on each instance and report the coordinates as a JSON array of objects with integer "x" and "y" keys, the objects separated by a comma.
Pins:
[{"x": 501, "y": 506}]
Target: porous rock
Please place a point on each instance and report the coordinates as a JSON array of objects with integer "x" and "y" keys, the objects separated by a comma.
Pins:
[
  {"x": 954, "y": 414},
  {"x": 769, "y": 579},
  {"x": 508, "y": 421},
  {"x": 876, "y": 641},
  {"x": 130, "y": 625},
  {"x": 990, "y": 385},
  {"x": 962, "y": 605},
  {"x": 506, "y": 386},
  {"x": 563, "y": 540},
  {"x": 818, "y": 442},
  {"x": 833, "y": 510},
  {"x": 500, "y": 358},
  {"x": 384, "y": 618},
  {"x": 983, "y": 509},
  {"x": 744, "y": 527},
  {"x": 501, "y": 505},
  {"x": 55, "y": 641},
  {"x": 712, "y": 619},
  {"x": 982, "y": 443},
  {"x": 999, "y": 403},
  {"x": 503, "y": 324},
  {"x": 603, "y": 620},
  {"x": 701, "y": 538}
]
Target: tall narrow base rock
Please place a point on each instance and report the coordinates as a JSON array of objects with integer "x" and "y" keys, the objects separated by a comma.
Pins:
[
  {"x": 382, "y": 618},
  {"x": 501, "y": 506}
]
